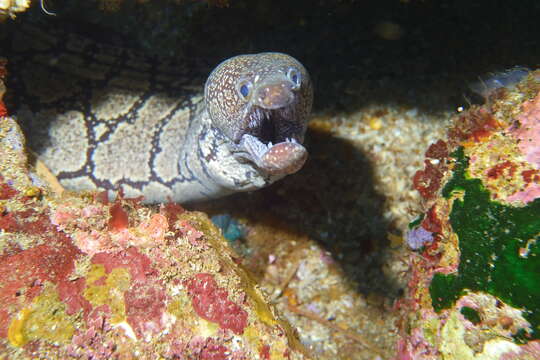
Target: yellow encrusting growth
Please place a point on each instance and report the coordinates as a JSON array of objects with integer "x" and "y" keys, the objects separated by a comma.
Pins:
[
  {"x": 261, "y": 307},
  {"x": 16, "y": 335},
  {"x": 45, "y": 319},
  {"x": 111, "y": 292}
]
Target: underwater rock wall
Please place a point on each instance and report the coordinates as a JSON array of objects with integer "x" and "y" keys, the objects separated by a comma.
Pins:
[{"x": 474, "y": 291}]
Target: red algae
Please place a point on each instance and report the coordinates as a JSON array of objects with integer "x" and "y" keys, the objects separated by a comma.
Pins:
[
  {"x": 70, "y": 292},
  {"x": 8, "y": 222},
  {"x": 500, "y": 169},
  {"x": 438, "y": 150},
  {"x": 431, "y": 223},
  {"x": 138, "y": 264},
  {"x": 211, "y": 303},
  {"x": 102, "y": 197},
  {"x": 475, "y": 125},
  {"x": 52, "y": 262},
  {"x": 30, "y": 221},
  {"x": 428, "y": 181},
  {"x": 119, "y": 218},
  {"x": 3, "y": 110},
  {"x": 532, "y": 175},
  {"x": 265, "y": 352},
  {"x": 171, "y": 211},
  {"x": 6, "y": 191}
]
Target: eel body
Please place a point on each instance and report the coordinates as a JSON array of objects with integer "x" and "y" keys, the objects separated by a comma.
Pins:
[{"x": 103, "y": 124}]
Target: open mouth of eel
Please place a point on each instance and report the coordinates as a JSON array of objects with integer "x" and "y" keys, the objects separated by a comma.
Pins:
[{"x": 273, "y": 139}]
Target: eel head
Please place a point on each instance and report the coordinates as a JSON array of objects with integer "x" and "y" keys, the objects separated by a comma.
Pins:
[{"x": 261, "y": 102}]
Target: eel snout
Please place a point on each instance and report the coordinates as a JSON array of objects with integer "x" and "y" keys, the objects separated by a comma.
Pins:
[
  {"x": 274, "y": 96},
  {"x": 273, "y": 141}
]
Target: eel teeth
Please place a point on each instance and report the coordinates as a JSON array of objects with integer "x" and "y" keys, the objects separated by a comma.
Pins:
[
  {"x": 291, "y": 140},
  {"x": 283, "y": 158}
]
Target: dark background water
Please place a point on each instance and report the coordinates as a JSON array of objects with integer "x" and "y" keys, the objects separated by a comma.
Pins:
[{"x": 336, "y": 40}]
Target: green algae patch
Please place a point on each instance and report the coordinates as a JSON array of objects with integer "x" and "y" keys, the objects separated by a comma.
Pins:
[
  {"x": 470, "y": 314},
  {"x": 416, "y": 222},
  {"x": 499, "y": 248},
  {"x": 45, "y": 319}
]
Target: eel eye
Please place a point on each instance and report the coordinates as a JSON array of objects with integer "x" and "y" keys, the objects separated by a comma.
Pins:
[
  {"x": 295, "y": 77},
  {"x": 244, "y": 88}
]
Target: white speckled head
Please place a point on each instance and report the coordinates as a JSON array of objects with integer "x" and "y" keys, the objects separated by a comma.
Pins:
[{"x": 268, "y": 95}]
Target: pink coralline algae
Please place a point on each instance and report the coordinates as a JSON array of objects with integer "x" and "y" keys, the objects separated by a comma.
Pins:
[
  {"x": 92, "y": 242},
  {"x": 206, "y": 349},
  {"x": 145, "y": 306},
  {"x": 154, "y": 228},
  {"x": 211, "y": 303},
  {"x": 192, "y": 234},
  {"x": 91, "y": 342},
  {"x": 528, "y": 136},
  {"x": 530, "y": 351},
  {"x": 111, "y": 235},
  {"x": 213, "y": 350},
  {"x": 531, "y": 192},
  {"x": 528, "y": 131}
]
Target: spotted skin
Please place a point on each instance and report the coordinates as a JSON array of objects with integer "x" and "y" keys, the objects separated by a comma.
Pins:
[{"x": 100, "y": 123}]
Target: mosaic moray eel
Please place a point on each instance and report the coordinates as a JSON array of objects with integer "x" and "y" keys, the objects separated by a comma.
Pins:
[{"x": 110, "y": 128}]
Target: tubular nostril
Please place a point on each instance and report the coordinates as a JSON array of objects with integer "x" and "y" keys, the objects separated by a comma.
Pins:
[{"x": 274, "y": 96}]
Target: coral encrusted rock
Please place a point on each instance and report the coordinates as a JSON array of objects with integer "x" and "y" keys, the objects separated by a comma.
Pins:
[
  {"x": 474, "y": 291},
  {"x": 85, "y": 278}
]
